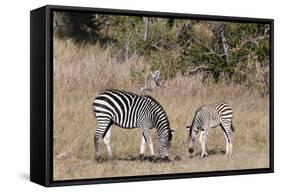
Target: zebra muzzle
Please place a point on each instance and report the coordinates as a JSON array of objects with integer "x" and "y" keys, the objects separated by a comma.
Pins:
[{"x": 190, "y": 150}]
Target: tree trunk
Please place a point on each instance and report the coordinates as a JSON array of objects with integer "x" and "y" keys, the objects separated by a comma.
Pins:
[{"x": 147, "y": 26}]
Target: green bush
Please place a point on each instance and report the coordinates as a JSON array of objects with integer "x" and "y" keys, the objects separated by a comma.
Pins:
[{"x": 228, "y": 51}]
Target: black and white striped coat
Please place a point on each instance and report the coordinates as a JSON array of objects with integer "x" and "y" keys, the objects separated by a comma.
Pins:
[
  {"x": 210, "y": 116},
  {"x": 128, "y": 110}
]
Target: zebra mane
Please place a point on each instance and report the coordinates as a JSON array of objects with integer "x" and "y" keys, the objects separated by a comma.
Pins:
[
  {"x": 155, "y": 101},
  {"x": 151, "y": 98},
  {"x": 193, "y": 120},
  {"x": 120, "y": 90}
]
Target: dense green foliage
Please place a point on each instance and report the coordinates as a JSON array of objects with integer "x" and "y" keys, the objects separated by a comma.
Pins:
[{"x": 229, "y": 51}]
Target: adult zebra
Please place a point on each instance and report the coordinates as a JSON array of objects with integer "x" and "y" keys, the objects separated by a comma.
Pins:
[
  {"x": 210, "y": 116},
  {"x": 128, "y": 110}
]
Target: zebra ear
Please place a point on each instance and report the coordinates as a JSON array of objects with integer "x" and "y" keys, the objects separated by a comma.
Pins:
[
  {"x": 172, "y": 131},
  {"x": 187, "y": 128}
]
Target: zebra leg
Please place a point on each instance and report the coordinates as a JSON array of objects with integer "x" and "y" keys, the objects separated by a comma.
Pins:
[
  {"x": 142, "y": 148},
  {"x": 151, "y": 148},
  {"x": 106, "y": 141},
  {"x": 97, "y": 153},
  {"x": 226, "y": 127},
  {"x": 202, "y": 140},
  {"x": 102, "y": 128},
  {"x": 226, "y": 143},
  {"x": 204, "y": 143},
  {"x": 230, "y": 146},
  {"x": 149, "y": 141}
]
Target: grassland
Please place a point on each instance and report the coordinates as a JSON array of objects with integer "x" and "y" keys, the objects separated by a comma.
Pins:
[{"x": 82, "y": 71}]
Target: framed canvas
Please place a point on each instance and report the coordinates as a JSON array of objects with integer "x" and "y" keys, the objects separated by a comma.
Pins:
[{"x": 125, "y": 95}]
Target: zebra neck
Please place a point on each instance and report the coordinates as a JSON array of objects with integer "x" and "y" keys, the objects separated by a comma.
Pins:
[
  {"x": 162, "y": 125},
  {"x": 158, "y": 118}
]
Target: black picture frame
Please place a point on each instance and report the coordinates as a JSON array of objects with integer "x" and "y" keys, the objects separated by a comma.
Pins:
[{"x": 41, "y": 96}]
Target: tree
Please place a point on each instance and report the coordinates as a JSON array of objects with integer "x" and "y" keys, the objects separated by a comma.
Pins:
[
  {"x": 80, "y": 27},
  {"x": 226, "y": 50}
]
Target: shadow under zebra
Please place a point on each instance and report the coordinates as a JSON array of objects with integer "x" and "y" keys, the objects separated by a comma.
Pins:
[
  {"x": 211, "y": 152},
  {"x": 135, "y": 158}
]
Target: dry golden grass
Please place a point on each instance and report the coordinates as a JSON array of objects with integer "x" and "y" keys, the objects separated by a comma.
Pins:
[{"x": 81, "y": 72}]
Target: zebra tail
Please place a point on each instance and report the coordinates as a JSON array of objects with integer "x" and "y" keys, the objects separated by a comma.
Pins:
[{"x": 232, "y": 128}]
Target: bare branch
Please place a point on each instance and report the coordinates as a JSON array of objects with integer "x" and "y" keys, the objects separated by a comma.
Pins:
[
  {"x": 224, "y": 43},
  {"x": 199, "y": 69},
  {"x": 204, "y": 45},
  {"x": 155, "y": 46},
  {"x": 147, "y": 27},
  {"x": 214, "y": 53},
  {"x": 152, "y": 81},
  {"x": 255, "y": 40},
  {"x": 182, "y": 28}
]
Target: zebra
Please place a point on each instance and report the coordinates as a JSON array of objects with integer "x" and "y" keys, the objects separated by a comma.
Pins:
[
  {"x": 211, "y": 116},
  {"x": 128, "y": 110}
]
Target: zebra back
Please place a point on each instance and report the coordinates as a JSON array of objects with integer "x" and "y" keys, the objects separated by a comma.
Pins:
[
  {"x": 127, "y": 110},
  {"x": 214, "y": 113}
]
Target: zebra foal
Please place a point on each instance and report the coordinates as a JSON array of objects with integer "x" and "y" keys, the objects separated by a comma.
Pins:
[
  {"x": 128, "y": 110},
  {"x": 211, "y": 116}
]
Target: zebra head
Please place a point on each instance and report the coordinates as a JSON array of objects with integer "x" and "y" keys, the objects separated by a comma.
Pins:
[
  {"x": 165, "y": 143},
  {"x": 191, "y": 132}
]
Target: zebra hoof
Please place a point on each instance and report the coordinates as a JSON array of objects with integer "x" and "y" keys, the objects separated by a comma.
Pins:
[
  {"x": 177, "y": 158},
  {"x": 141, "y": 157},
  {"x": 152, "y": 159},
  {"x": 97, "y": 158},
  {"x": 227, "y": 155},
  {"x": 165, "y": 159},
  {"x": 204, "y": 155}
]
